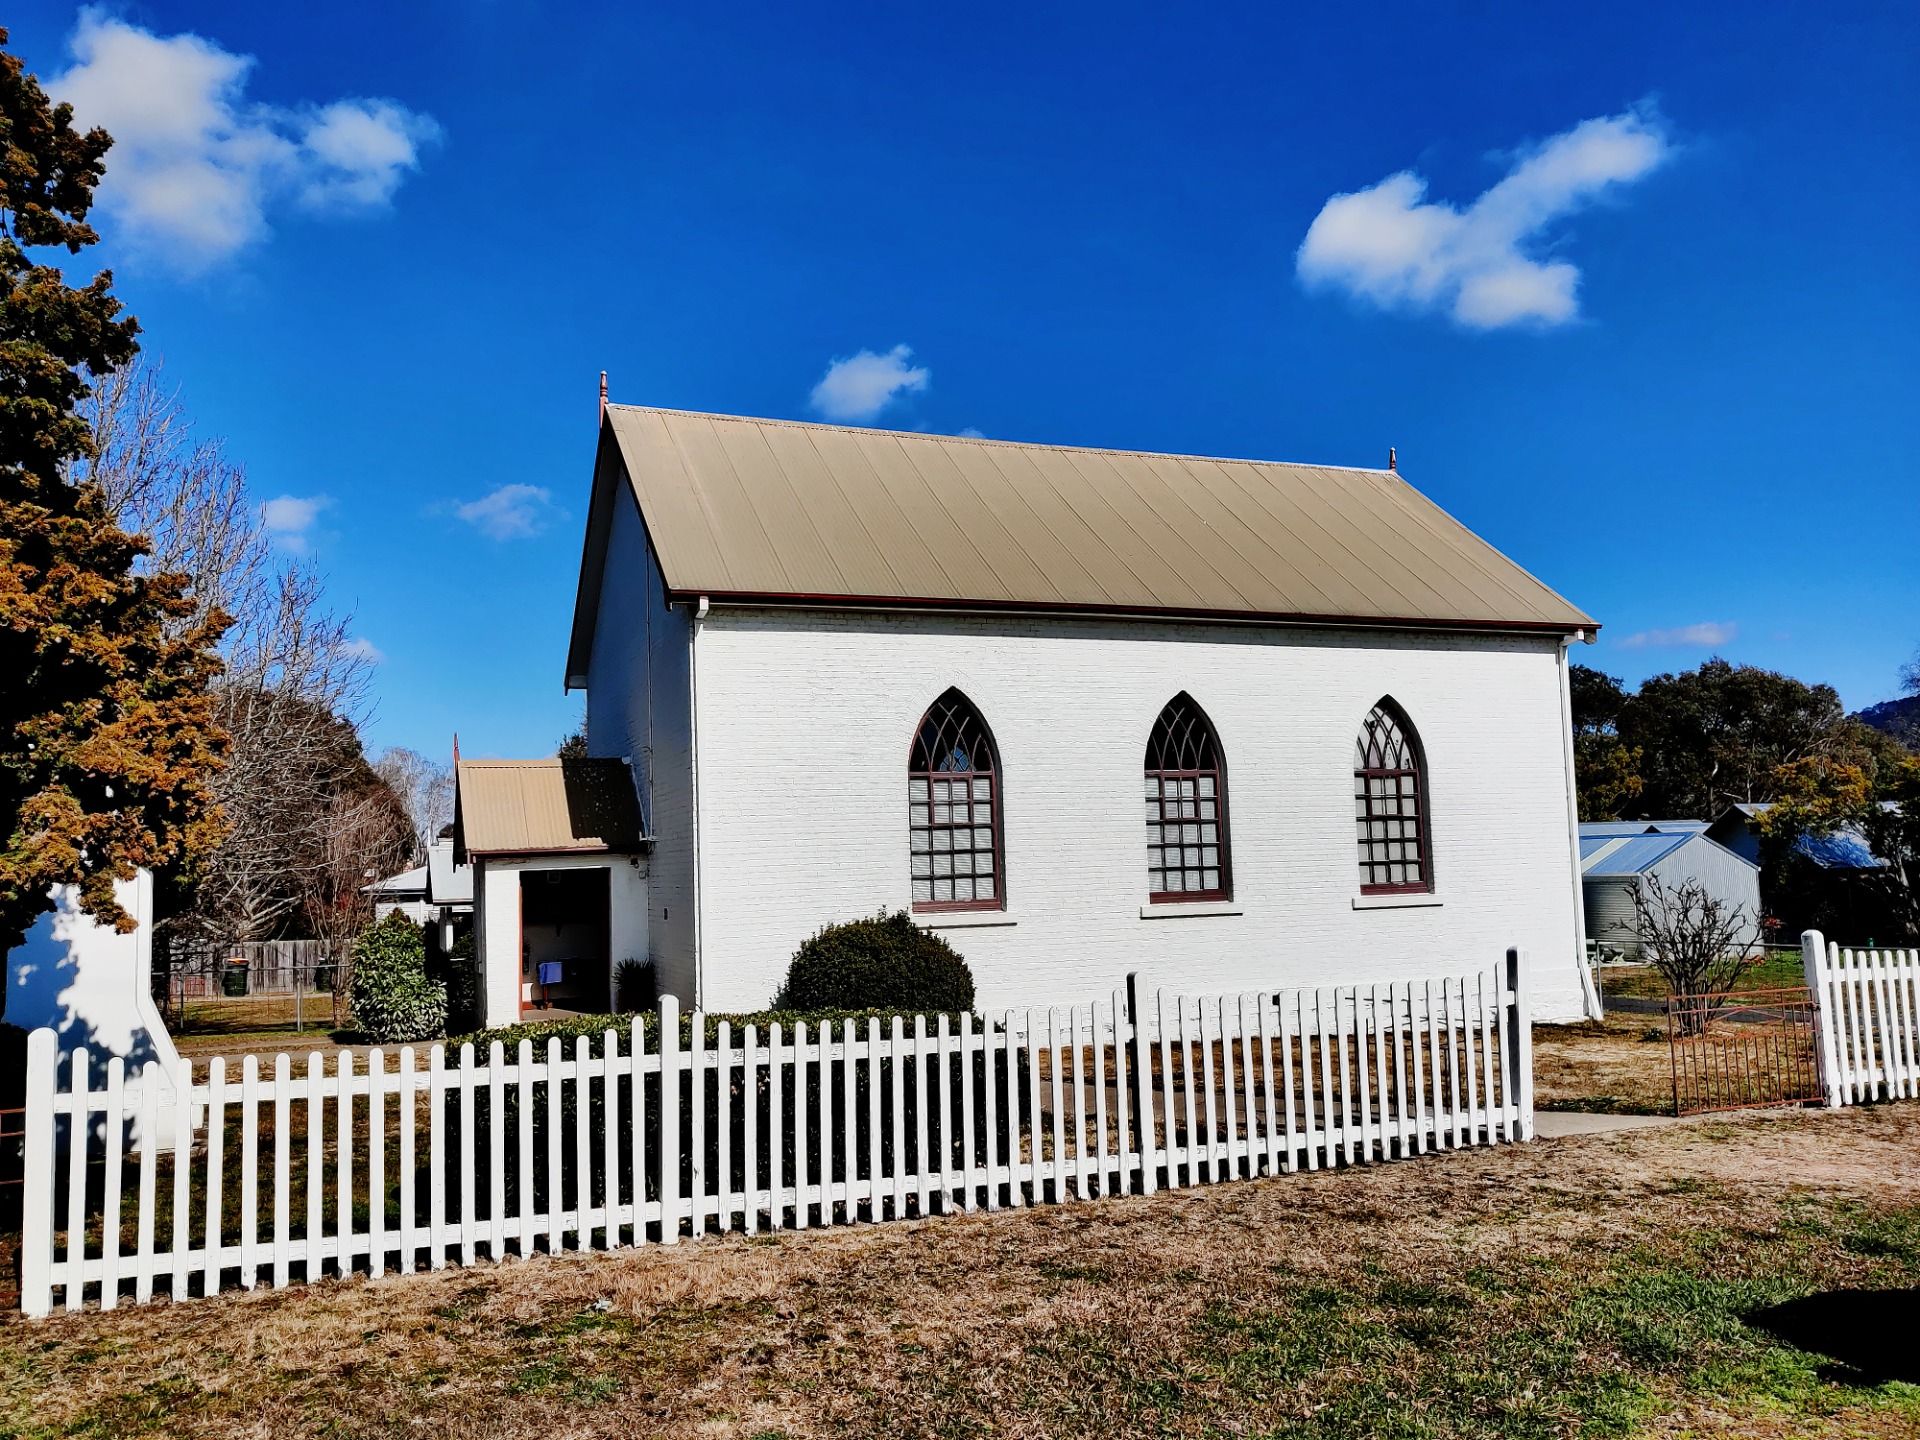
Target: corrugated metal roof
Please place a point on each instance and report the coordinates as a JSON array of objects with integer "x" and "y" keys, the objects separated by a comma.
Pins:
[
  {"x": 407, "y": 882},
  {"x": 1642, "y": 827},
  {"x": 544, "y": 807},
  {"x": 1623, "y": 855},
  {"x": 781, "y": 510}
]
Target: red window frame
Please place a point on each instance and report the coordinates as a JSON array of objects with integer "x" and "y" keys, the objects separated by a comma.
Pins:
[
  {"x": 949, "y": 748},
  {"x": 1391, "y": 812},
  {"x": 1186, "y": 778}
]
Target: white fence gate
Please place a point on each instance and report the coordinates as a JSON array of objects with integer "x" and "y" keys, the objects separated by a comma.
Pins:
[
  {"x": 671, "y": 1129},
  {"x": 1868, "y": 1004}
]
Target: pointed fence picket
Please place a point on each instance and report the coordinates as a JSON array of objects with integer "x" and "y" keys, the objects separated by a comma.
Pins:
[
  {"x": 1867, "y": 1014},
  {"x": 655, "y": 1132}
]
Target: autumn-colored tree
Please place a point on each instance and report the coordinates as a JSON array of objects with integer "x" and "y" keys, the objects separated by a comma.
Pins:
[{"x": 107, "y": 739}]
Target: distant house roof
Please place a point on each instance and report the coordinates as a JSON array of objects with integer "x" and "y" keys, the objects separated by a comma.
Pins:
[
  {"x": 540, "y": 807},
  {"x": 777, "y": 511},
  {"x": 1845, "y": 847},
  {"x": 1609, "y": 857},
  {"x": 407, "y": 884},
  {"x": 1642, "y": 827},
  {"x": 448, "y": 883}
]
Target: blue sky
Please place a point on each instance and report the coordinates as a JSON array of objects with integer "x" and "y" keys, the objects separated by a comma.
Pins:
[{"x": 1668, "y": 362}]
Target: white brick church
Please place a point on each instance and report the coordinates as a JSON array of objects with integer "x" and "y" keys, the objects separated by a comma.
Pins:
[{"x": 1227, "y": 723}]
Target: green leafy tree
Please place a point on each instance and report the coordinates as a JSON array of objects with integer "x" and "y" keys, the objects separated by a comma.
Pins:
[
  {"x": 1606, "y": 770},
  {"x": 107, "y": 739},
  {"x": 1729, "y": 733}
]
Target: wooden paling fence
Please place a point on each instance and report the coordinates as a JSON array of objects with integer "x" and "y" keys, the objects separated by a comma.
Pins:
[
  {"x": 671, "y": 1128},
  {"x": 1869, "y": 1008}
]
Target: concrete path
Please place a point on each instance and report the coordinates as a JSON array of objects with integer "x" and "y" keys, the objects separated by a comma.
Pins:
[{"x": 1557, "y": 1124}]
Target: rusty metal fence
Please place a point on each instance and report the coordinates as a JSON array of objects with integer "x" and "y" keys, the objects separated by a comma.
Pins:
[{"x": 1744, "y": 1050}]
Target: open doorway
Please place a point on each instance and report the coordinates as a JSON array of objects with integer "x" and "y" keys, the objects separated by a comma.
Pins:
[{"x": 564, "y": 923}]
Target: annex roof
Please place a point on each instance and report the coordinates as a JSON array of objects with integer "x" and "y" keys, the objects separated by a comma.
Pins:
[
  {"x": 536, "y": 807},
  {"x": 448, "y": 882},
  {"x": 1642, "y": 827},
  {"x": 780, "y": 511},
  {"x": 407, "y": 882}
]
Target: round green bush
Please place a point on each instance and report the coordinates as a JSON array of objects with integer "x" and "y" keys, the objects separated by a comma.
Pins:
[
  {"x": 884, "y": 963},
  {"x": 393, "y": 1000}
]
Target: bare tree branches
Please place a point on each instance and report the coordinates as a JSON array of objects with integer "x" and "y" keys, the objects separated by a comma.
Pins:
[
  {"x": 424, "y": 786},
  {"x": 1696, "y": 940}
]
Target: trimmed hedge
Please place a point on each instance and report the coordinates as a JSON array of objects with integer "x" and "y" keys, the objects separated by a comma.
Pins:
[
  {"x": 594, "y": 1027},
  {"x": 883, "y": 963},
  {"x": 393, "y": 1000}
]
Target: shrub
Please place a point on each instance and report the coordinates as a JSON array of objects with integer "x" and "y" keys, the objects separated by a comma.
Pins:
[
  {"x": 393, "y": 1000},
  {"x": 883, "y": 963},
  {"x": 636, "y": 986},
  {"x": 465, "y": 1004}
]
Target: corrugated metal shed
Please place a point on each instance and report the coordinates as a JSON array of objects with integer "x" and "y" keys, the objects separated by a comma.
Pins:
[
  {"x": 543, "y": 807},
  {"x": 776, "y": 510},
  {"x": 1622, "y": 855}
]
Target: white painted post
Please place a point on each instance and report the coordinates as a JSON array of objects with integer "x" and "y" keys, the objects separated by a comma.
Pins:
[
  {"x": 670, "y": 1118},
  {"x": 943, "y": 1092},
  {"x": 437, "y": 1157},
  {"x": 216, "y": 1155},
  {"x": 376, "y": 1162},
  {"x": 1275, "y": 1136},
  {"x": 802, "y": 1166},
  {"x": 1083, "y": 1166},
  {"x": 316, "y": 1164},
  {"x": 182, "y": 1177},
  {"x": 897, "y": 1051},
  {"x": 723, "y": 1126},
  {"x": 282, "y": 1170},
  {"x": 1813, "y": 965},
  {"x": 409, "y": 1240},
  {"x": 496, "y": 1151},
  {"x": 990, "y": 1115},
  {"x": 850, "y": 1116},
  {"x": 1056, "y": 1092},
  {"x": 149, "y": 1159},
  {"x": 922, "y": 1119},
  {"x": 637, "y": 1126},
  {"x": 776, "y": 1131},
  {"x": 113, "y": 1132},
  {"x": 750, "y": 1129},
  {"x": 1520, "y": 1052},
  {"x": 1168, "y": 1116},
  {"x": 249, "y": 1170},
  {"x": 611, "y": 1071},
  {"x": 876, "y": 1087},
  {"x": 582, "y": 1145},
  {"x": 36, "y": 1206}
]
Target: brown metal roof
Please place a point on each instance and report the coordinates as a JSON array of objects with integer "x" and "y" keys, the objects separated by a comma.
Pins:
[
  {"x": 544, "y": 807},
  {"x": 779, "y": 510}
]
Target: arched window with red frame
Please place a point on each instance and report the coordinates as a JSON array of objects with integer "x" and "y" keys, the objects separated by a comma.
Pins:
[
  {"x": 953, "y": 810},
  {"x": 1187, "y": 855},
  {"x": 1390, "y": 805}
]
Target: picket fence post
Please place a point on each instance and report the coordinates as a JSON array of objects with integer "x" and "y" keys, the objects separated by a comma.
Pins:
[
  {"x": 36, "y": 1218},
  {"x": 669, "y": 1120},
  {"x": 1520, "y": 1041},
  {"x": 1813, "y": 964}
]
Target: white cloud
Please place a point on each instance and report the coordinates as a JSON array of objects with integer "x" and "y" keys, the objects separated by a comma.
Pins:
[
  {"x": 858, "y": 387},
  {"x": 971, "y": 433},
  {"x": 361, "y": 648},
  {"x": 1706, "y": 635},
  {"x": 289, "y": 519},
  {"x": 195, "y": 167},
  {"x": 511, "y": 512},
  {"x": 1391, "y": 246}
]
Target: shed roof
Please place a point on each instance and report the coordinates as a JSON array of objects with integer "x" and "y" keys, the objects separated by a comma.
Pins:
[
  {"x": 543, "y": 807},
  {"x": 1642, "y": 827},
  {"x": 407, "y": 882},
  {"x": 1619, "y": 857},
  {"x": 780, "y": 511}
]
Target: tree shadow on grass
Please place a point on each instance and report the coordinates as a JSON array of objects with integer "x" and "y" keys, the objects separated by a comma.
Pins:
[{"x": 1868, "y": 1334}]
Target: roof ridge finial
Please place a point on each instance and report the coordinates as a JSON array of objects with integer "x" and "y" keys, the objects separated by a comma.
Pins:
[
  {"x": 603, "y": 395},
  {"x": 1393, "y": 457}
]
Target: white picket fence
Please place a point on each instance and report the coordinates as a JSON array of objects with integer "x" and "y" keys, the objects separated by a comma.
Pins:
[
  {"x": 1868, "y": 1002},
  {"x": 651, "y": 1141}
]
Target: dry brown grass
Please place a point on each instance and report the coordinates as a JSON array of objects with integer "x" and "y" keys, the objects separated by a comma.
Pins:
[
  {"x": 1498, "y": 1292},
  {"x": 1620, "y": 1065}
]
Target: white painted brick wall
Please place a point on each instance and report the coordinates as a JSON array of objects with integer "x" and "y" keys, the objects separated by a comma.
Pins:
[
  {"x": 804, "y": 722},
  {"x": 639, "y": 636}
]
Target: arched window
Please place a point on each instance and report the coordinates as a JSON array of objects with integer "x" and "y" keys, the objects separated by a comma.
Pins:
[
  {"x": 1186, "y": 807},
  {"x": 953, "y": 810},
  {"x": 1390, "y": 805}
]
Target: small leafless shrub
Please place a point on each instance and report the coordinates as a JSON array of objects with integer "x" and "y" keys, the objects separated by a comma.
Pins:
[{"x": 1697, "y": 941}]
